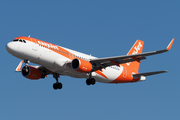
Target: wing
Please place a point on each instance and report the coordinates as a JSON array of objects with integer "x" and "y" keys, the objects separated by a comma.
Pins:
[
  {"x": 45, "y": 71},
  {"x": 100, "y": 63}
]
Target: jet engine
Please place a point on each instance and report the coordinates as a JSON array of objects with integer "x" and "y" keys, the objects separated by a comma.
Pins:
[
  {"x": 31, "y": 72},
  {"x": 81, "y": 65}
]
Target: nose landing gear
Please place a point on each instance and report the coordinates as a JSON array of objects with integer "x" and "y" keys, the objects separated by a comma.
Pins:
[
  {"x": 25, "y": 68},
  {"x": 26, "y": 62}
]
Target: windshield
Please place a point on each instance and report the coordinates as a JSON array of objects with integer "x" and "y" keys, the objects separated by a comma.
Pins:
[{"x": 19, "y": 40}]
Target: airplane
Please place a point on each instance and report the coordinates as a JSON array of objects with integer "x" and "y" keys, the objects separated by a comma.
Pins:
[{"x": 57, "y": 60}]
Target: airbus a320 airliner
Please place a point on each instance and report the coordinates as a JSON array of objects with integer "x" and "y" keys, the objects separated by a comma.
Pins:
[{"x": 57, "y": 60}]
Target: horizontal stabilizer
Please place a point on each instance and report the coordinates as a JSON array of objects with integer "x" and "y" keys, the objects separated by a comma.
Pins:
[{"x": 149, "y": 73}]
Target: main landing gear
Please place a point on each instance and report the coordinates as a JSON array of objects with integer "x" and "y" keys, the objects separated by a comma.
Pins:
[
  {"x": 57, "y": 85},
  {"x": 90, "y": 80}
]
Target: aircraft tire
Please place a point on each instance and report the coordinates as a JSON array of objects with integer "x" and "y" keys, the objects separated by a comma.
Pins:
[
  {"x": 93, "y": 81},
  {"x": 57, "y": 86},
  {"x": 88, "y": 82}
]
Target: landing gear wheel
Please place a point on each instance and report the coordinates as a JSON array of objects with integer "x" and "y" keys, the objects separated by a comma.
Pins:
[
  {"x": 91, "y": 81},
  {"x": 57, "y": 86},
  {"x": 88, "y": 82}
]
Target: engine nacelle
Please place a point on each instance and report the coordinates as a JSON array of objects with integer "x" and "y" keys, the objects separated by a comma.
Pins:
[
  {"x": 31, "y": 72},
  {"x": 81, "y": 65}
]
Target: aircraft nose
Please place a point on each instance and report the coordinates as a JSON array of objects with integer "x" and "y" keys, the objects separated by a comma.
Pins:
[
  {"x": 10, "y": 47},
  {"x": 14, "y": 49}
]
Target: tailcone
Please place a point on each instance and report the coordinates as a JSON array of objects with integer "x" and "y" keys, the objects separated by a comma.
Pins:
[
  {"x": 142, "y": 78},
  {"x": 139, "y": 78}
]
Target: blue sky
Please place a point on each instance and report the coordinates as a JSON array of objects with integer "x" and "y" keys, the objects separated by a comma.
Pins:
[{"x": 102, "y": 28}]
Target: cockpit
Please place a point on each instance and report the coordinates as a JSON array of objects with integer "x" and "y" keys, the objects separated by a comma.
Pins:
[{"x": 19, "y": 40}]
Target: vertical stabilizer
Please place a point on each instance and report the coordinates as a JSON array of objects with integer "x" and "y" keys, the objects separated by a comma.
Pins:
[{"x": 136, "y": 49}]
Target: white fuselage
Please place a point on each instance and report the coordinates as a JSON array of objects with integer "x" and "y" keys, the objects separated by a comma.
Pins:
[{"x": 55, "y": 62}]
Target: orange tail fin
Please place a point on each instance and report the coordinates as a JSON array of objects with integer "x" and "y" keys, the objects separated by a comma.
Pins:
[{"x": 136, "y": 48}]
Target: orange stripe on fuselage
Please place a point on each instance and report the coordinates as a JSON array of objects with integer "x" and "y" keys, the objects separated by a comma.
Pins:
[
  {"x": 128, "y": 79},
  {"x": 50, "y": 46},
  {"x": 101, "y": 74}
]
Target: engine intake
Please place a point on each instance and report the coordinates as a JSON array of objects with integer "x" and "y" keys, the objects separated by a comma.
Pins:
[
  {"x": 31, "y": 72},
  {"x": 81, "y": 65}
]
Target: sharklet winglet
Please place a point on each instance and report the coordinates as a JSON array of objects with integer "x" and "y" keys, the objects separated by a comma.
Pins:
[
  {"x": 18, "y": 69},
  {"x": 170, "y": 44}
]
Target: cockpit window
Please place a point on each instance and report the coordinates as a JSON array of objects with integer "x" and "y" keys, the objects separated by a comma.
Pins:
[
  {"x": 15, "y": 40},
  {"x": 20, "y": 40}
]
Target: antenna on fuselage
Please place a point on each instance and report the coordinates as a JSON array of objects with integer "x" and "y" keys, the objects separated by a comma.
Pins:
[{"x": 29, "y": 36}]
